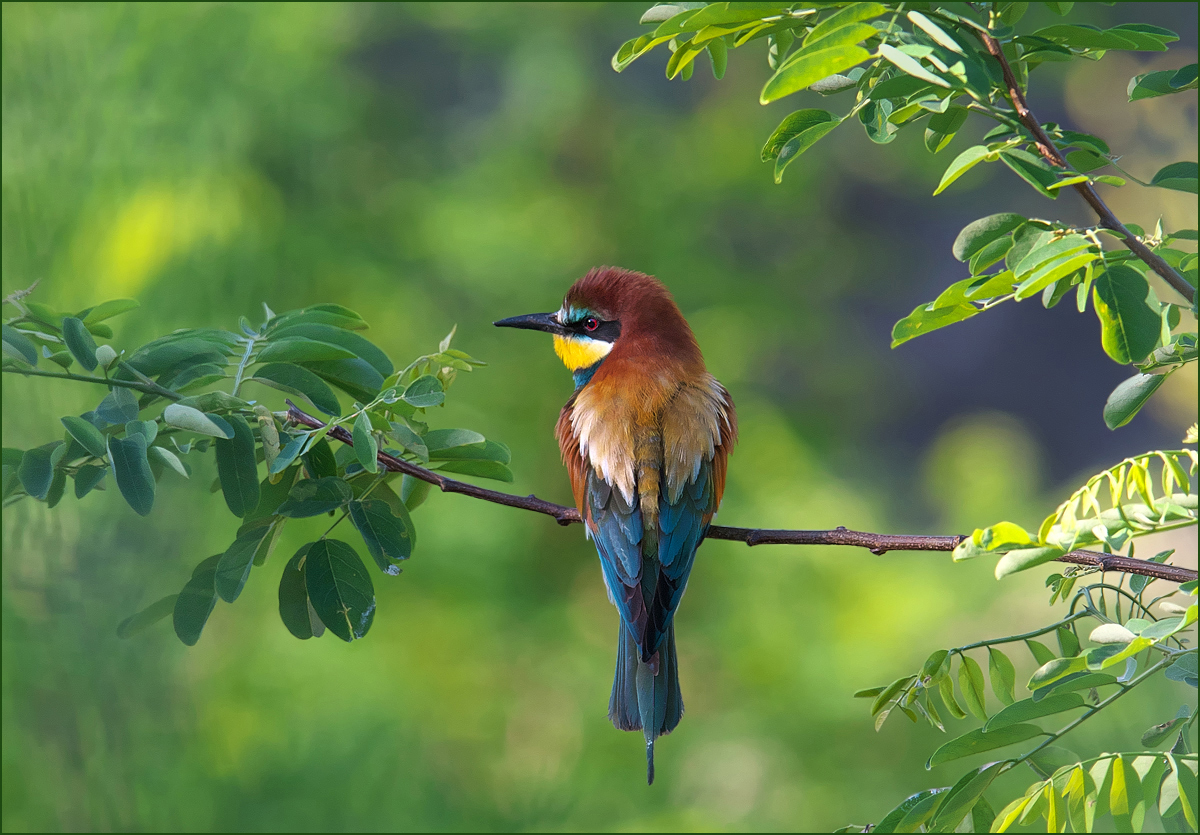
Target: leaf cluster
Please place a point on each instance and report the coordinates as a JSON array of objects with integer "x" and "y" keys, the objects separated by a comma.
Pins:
[{"x": 182, "y": 395}]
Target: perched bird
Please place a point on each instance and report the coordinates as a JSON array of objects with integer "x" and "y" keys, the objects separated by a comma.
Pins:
[{"x": 645, "y": 438}]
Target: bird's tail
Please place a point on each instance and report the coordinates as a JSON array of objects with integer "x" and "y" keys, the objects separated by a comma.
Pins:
[{"x": 646, "y": 696}]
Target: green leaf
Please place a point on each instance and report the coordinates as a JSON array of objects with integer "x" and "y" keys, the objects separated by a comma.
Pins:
[
  {"x": 170, "y": 459},
  {"x": 356, "y": 377},
  {"x": 18, "y": 346},
  {"x": 1055, "y": 669},
  {"x": 484, "y": 469},
  {"x": 1032, "y": 169},
  {"x": 293, "y": 597},
  {"x": 961, "y": 164},
  {"x": 1003, "y": 675},
  {"x": 1178, "y": 176},
  {"x": 801, "y": 142},
  {"x": 718, "y": 52},
  {"x": 946, "y": 690},
  {"x": 312, "y": 497},
  {"x": 87, "y": 478},
  {"x": 320, "y": 461},
  {"x": 793, "y": 125},
  {"x": 875, "y": 118},
  {"x": 922, "y": 321},
  {"x": 194, "y": 420},
  {"x": 1161, "y": 733},
  {"x": 366, "y": 449},
  {"x": 1130, "y": 327},
  {"x": 299, "y": 349},
  {"x": 893, "y": 819},
  {"x": 148, "y": 429},
  {"x": 1025, "y": 558},
  {"x": 132, "y": 472},
  {"x": 890, "y": 692},
  {"x": 233, "y": 569},
  {"x": 119, "y": 407},
  {"x": 410, "y": 440},
  {"x": 910, "y": 65},
  {"x": 976, "y": 742},
  {"x": 237, "y": 468},
  {"x": 340, "y": 588},
  {"x": 79, "y": 342},
  {"x": 299, "y": 381},
  {"x": 443, "y": 439},
  {"x": 109, "y": 309},
  {"x": 414, "y": 491},
  {"x": 1028, "y": 709},
  {"x": 424, "y": 392},
  {"x": 935, "y": 665},
  {"x": 146, "y": 618},
  {"x": 868, "y": 693},
  {"x": 89, "y": 437},
  {"x": 1040, "y": 652},
  {"x": 195, "y": 603},
  {"x": 922, "y": 810},
  {"x": 853, "y": 13},
  {"x": 962, "y": 796},
  {"x": 804, "y": 70},
  {"x": 387, "y": 536},
  {"x": 970, "y": 683},
  {"x": 339, "y": 337},
  {"x": 943, "y": 126},
  {"x": 1129, "y": 397}
]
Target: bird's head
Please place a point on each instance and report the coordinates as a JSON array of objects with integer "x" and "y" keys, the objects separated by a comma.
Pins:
[{"x": 610, "y": 309}]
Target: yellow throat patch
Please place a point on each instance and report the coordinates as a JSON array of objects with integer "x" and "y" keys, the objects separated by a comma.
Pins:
[{"x": 578, "y": 352}]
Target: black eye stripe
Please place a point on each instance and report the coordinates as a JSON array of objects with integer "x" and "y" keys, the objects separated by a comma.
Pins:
[{"x": 604, "y": 331}]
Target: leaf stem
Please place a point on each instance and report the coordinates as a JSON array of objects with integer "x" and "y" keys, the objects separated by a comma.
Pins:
[
  {"x": 241, "y": 370},
  {"x": 1125, "y": 688},
  {"x": 1012, "y": 639},
  {"x": 154, "y": 388}
]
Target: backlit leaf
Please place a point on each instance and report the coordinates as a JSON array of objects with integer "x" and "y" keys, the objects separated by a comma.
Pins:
[{"x": 976, "y": 742}]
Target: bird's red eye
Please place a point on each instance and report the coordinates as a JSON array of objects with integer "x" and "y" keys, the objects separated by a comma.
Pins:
[{"x": 591, "y": 323}]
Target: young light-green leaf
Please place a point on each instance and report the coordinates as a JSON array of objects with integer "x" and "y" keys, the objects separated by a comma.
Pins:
[
  {"x": 971, "y": 684},
  {"x": 1003, "y": 675},
  {"x": 961, "y": 164},
  {"x": 806, "y": 70}
]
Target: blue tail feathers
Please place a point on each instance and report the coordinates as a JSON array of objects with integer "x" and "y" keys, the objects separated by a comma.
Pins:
[{"x": 643, "y": 698}]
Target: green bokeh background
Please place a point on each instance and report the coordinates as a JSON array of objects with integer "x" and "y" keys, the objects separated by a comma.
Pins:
[{"x": 434, "y": 165}]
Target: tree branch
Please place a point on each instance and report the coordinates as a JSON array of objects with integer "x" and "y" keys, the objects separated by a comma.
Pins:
[
  {"x": 1052, "y": 155},
  {"x": 877, "y": 543}
]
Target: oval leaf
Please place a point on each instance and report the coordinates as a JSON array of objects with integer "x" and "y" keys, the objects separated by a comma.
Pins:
[
  {"x": 233, "y": 569},
  {"x": 1027, "y": 709},
  {"x": 300, "y": 381},
  {"x": 293, "y": 597},
  {"x": 366, "y": 448},
  {"x": 237, "y": 468},
  {"x": 89, "y": 436},
  {"x": 388, "y": 537},
  {"x": 149, "y": 616},
  {"x": 312, "y": 497},
  {"x": 79, "y": 342},
  {"x": 976, "y": 742},
  {"x": 807, "y": 69},
  {"x": 195, "y": 603},
  {"x": 131, "y": 469},
  {"x": 194, "y": 420},
  {"x": 340, "y": 588}
]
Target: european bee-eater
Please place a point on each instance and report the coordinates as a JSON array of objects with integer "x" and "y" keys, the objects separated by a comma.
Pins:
[{"x": 645, "y": 438}]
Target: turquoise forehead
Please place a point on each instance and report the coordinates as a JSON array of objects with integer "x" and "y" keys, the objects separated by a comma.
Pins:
[{"x": 572, "y": 314}]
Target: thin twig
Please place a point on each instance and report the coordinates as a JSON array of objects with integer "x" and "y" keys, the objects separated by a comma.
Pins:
[
  {"x": 1052, "y": 155},
  {"x": 150, "y": 388},
  {"x": 877, "y": 543}
]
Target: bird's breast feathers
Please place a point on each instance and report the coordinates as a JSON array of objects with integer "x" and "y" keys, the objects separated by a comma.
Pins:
[{"x": 653, "y": 431}]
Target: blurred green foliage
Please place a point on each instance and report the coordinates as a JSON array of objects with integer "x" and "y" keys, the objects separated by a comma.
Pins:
[{"x": 440, "y": 164}]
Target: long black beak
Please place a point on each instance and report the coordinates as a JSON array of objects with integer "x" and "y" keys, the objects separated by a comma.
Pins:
[{"x": 533, "y": 321}]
